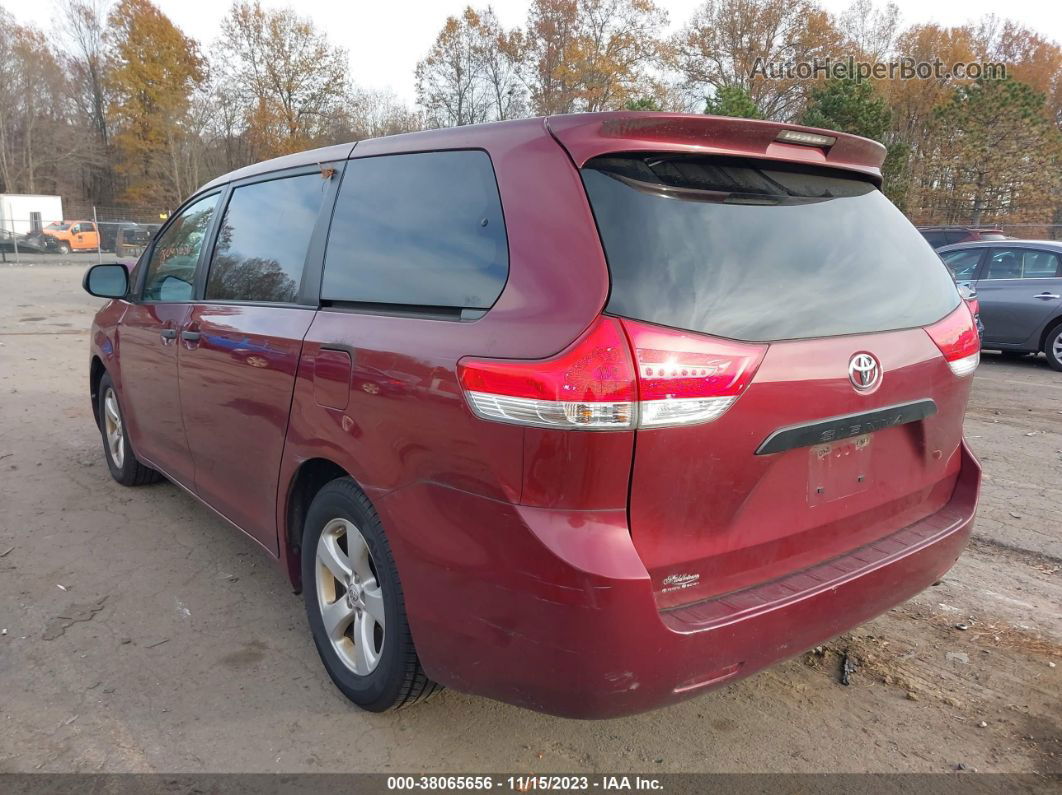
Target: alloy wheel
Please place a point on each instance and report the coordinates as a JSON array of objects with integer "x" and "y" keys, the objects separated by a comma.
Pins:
[
  {"x": 350, "y": 597},
  {"x": 113, "y": 428}
]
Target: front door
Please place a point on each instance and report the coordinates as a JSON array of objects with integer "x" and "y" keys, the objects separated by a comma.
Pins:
[
  {"x": 1018, "y": 291},
  {"x": 240, "y": 349},
  {"x": 148, "y": 344}
]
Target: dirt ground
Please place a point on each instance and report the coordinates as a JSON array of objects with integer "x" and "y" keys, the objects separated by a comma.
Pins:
[{"x": 141, "y": 633}]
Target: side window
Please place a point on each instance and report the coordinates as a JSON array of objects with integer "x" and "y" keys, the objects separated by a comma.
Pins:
[
  {"x": 263, "y": 238},
  {"x": 962, "y": 264},
  {"x": 1005, "y": 263},
  {"x": 1039, "y": 265},
  {"x": 171, "y": 269},
  {"x": 418, "y": 229},
  {"x": 935, "y": 239},
  {"x": 1022, "y": 263}
]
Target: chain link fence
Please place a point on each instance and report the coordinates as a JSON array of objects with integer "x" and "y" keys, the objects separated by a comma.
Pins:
[
  {"x": 121, "y": 232},
  {"x": 1032, "y": 231}
]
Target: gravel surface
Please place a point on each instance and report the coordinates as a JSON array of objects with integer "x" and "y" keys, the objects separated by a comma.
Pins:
[{"x": 144, "y": 634}]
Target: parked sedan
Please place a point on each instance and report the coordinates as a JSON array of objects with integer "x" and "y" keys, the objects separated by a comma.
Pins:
[
  {"x": 24, "y": 243},
  {"x": 1019, "y": 288}
]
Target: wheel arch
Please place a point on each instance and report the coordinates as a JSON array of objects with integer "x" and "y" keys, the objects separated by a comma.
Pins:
[
  {"x": 96, "y": 371},
  {"x": 1050, "y": 326},
  {"x": 311, "y": 476}
]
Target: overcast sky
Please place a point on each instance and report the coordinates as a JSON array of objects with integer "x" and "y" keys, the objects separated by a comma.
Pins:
[{"x": 386, "y": 39}]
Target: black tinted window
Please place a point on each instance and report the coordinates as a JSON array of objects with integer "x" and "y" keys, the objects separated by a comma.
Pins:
[
  {"x": 760, "y": 251},
  {"x": 421, "y": 229},
  {"x": 171, "y": 271},
  {"x": 936, "y": 239},
  {"x": 263, "y": 239}
]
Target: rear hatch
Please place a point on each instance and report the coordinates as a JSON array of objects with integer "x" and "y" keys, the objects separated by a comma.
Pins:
[{"x": 847, "y": 422}]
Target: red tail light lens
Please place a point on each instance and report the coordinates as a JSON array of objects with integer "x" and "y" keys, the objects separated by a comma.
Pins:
[
  {"x": 956, "y": 336},
  {"x": 673, "y": 378},
  {"x": 590, "y": 385},
  {"x": 684, "y": 379}
]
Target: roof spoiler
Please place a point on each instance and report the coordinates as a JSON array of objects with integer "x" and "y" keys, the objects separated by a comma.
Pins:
[{"x": 589, "y": 135}]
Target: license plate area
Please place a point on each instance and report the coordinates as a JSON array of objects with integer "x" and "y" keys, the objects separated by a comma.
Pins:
[{"x": 839, "y": 469}]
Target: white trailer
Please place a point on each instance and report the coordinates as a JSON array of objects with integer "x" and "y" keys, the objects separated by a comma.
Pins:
[{"x": 23, "y": 213}]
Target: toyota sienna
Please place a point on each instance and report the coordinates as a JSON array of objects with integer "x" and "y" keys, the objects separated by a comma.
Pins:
[{"x": 587, "y": 413}]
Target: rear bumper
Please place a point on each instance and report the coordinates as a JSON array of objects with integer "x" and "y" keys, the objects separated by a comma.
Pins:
[{"x": 553, "y": 611}]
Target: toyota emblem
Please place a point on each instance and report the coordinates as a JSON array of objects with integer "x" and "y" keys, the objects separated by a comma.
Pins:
[{"x": 864, "y": 372}]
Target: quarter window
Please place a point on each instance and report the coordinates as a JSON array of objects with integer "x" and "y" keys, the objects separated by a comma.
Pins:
[
  {"x": 418, "y": 229},
  {"x": 1039, "y": 265},
  {"x": 1022, "y": 263},
  {"x": 262, "y": 242},
  {"x": 171, "y": 269}
]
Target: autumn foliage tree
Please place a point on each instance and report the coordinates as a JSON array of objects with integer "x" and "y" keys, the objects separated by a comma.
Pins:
[
  {"x": 154, "y": 70},
  {"x": 38, "y": 142},
  {"x": 114, "y": 102},
  {"x": 589, "y": 55}
]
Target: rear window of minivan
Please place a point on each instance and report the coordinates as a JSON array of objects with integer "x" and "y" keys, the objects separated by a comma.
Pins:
[{"x": 760, "y": 251}]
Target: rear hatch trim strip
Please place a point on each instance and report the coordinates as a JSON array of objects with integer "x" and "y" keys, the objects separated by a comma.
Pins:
[{"x": 846, "y": 426}]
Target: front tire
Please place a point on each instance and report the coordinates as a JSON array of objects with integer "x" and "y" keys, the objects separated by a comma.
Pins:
[
  {"x": 354, "y": 603},
  {"x": 1053, "y": 348},
  {"x": 121, "y": 460}
]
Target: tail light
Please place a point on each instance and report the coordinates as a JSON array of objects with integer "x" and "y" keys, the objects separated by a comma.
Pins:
[
  {"x": 956, "y": 336},
  {"x": 619, "y": 375},
  {"x": 684, "y": 379},
  {"x": 590, "y": 385}
]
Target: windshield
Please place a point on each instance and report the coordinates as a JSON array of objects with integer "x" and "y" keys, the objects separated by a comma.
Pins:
[
  {"x": 59, "y": 225},
  {"x": 761, "y": 251}
]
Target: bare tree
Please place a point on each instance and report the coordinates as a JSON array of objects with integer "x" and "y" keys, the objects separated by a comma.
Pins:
[
  {"x": 499, "y": 68},
  {"x": 449, "y": 79},
  {"x": 290, "y": 80},
  {"x": 726, "y": 39},
  {"x": 82, "y": 35},
  {"x": 870, "y": 30}
]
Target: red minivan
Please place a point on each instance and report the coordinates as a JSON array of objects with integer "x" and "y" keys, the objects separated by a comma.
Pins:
[{"x": 587, "y": 413}]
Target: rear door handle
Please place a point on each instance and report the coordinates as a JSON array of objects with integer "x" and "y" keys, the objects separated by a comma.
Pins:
[
  {"x": 190, "y": 336},
  {"x": 168, "y": 334},
  {"x": 1048, "y": 296}
]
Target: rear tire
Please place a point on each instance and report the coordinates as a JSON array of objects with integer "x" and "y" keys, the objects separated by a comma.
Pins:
[
  {"x": 1053, "y": 347},
  {"x": 121, "y": 460},
  {"x": 350, "y": 583}
]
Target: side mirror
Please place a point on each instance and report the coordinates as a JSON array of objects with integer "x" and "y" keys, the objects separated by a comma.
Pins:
[{"x": 106, "y": 281}]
